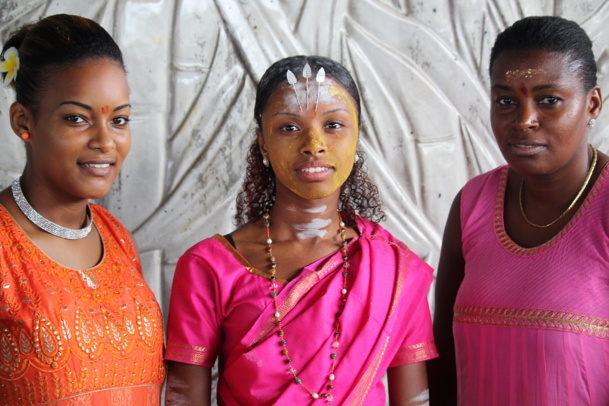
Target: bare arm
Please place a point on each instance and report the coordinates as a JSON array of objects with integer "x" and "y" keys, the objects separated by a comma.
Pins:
[
  {"x": 188, "y": 385},
  {"x": 451, "y": 270},
  {"x": 408, "y": 385}
]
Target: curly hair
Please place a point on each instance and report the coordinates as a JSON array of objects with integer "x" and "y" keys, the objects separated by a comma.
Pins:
[{"x": 358, "y": 195}]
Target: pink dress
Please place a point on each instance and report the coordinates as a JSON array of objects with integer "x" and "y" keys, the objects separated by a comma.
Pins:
[
  {"x": 220, "y": 306},
  {"x": 531, "y": 325}
]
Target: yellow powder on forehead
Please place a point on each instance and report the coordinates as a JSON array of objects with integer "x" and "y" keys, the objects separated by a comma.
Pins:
[
  {"x": 523, "y": 73},
  {"x": 345, "y": 97}
]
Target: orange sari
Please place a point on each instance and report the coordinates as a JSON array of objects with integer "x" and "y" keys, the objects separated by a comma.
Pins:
[{"x": 63, "y": 342}]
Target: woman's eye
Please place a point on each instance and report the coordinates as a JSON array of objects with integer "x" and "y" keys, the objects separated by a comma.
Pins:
[
  {"x": 505, "y": 101},
  {"x": 334, "y": 125},
  {"x": 120, "y": 121},
  {"x": 289, "y": 128},
  {"x": 551, "y": 100},
  {"x": 75, "y": 119}
]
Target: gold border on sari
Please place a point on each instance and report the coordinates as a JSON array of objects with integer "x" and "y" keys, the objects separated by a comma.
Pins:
[{"x": 192, "y": 354}]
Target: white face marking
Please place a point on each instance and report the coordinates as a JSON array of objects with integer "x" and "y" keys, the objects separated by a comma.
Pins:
[
  {"x": 316, "y": 228},
  {"x": 316, "y": 210},
  {"x": 422, "y": 398},
  {"x": 291, "y": 101}
]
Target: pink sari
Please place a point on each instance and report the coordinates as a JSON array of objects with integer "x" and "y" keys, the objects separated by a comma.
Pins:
[{"x": 220, "y": 305}]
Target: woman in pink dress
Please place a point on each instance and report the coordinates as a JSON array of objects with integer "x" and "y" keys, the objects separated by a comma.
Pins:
[
  {"x": 309, "y": 300},
  {"x": 522, "y": 297}
]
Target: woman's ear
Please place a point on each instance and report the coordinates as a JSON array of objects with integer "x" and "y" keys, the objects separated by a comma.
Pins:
[
  {"x": 261, "y": 144},
  {"x": 21, "y": 120},
  {"x": 595, "y": 102}
]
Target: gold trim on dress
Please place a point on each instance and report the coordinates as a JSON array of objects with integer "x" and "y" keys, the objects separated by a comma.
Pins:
[
  {"x": 534, "y": 318},
  {"x": 362, "y": 388},
  {"x": 416, "y": 353},
  {"x": 516, "y": 249},
  {"x": 195, "y": 354}
]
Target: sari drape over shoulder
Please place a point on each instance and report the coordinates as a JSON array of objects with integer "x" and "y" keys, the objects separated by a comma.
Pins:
[{"x": 220, "y": 306}]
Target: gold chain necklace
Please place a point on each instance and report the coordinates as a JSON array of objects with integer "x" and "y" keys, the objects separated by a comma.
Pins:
[
  {"x": 328, "y": 397},
  {"x": 581, "y": 191}
]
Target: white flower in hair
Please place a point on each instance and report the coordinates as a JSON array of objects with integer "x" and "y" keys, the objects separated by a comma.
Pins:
[{"x": 10, "y": 65}]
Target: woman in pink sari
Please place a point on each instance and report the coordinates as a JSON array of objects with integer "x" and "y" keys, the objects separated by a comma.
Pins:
[{"x": 309, "y": 300}]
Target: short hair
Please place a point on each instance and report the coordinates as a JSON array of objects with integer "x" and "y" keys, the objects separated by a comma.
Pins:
[
  {"x": 554, "y": 34},
  {"x": 56, "y": 42}
]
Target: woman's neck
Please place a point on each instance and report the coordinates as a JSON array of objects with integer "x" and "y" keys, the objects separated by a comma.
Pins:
[{"x": 312, "y": 219}]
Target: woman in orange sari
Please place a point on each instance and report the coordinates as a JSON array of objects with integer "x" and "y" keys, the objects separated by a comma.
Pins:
[{"x": 78, "y": 325}]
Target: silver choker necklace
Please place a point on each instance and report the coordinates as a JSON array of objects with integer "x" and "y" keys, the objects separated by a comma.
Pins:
[{"x": 45, "y": 224}]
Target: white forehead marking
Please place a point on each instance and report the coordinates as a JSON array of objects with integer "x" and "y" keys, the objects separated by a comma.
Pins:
[
  {"x": 315, "y": 228},
  {"x": 293, "y": 99}
]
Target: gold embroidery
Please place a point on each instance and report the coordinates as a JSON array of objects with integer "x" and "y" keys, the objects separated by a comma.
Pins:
[
  {"x": 58, "y": 337},
  {"x": 192, "y": 353},
  {"x": 415, "y": 353},
  {"x": 534, "y": 318},
  {"x": 416, "y": 346}
]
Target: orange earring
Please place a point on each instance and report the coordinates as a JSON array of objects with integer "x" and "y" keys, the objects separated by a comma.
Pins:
[{"x": 25, "y": 136}]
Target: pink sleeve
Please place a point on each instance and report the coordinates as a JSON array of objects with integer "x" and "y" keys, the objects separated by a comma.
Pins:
[
  {"x": 193, "y": 329},
  {"x": 418, "y": 344}
]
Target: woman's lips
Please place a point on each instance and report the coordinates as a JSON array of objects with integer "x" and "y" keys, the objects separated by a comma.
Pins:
[
  {"x": 525, "y": 149},
  {"x": 97, "y": 168},
  {"x": 314, "y": 171}
]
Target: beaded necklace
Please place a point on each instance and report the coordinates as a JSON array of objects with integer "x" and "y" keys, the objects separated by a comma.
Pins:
[{"x": 335, "y": 343}]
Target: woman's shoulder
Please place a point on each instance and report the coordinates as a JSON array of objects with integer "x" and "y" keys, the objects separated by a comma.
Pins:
[
  {"x": 376, "y": 233},
  {"x": 102, "y": 215},
  {"x": 484, "y": 186},
  {"x": 216, "y": 244},
  {"x": 487, "y": 177},
  {"x": 371, "y": 230}
]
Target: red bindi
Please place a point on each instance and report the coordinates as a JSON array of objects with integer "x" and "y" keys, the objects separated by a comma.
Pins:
[
  {"x": 105, "y": 109},
  {"x": 523, "y": 89}
]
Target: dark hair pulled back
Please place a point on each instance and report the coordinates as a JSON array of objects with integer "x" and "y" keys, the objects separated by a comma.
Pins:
[
  {"x": 54, "y": 43},
  {"x": 359, "y": 195},
  {"x": 554, "y": 34}
]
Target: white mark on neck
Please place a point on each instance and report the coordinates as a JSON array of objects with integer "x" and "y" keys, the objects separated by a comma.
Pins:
[
  {"x": 316, "y": 210},
  {"x": 315, "y": 228}
]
